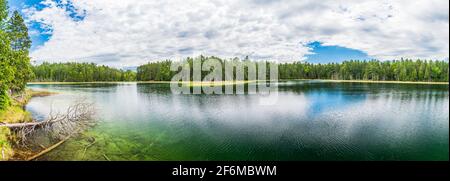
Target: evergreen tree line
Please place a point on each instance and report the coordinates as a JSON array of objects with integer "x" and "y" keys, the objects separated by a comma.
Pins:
[
  {"x": 15, "y": 67},
  {"x": 80, "y": 72},
  {"x": 397, "y": 70}
]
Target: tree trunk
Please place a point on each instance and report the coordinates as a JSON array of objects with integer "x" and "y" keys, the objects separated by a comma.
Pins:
[{"x": 20, "y": 125}]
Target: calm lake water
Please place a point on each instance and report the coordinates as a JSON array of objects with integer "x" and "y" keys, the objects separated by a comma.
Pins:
[{"x": 312, "y": 120}]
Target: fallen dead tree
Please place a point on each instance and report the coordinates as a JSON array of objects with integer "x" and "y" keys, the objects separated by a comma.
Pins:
[
  {"x": 59, "y": 126},
  {"x": 77, "y": 117}
]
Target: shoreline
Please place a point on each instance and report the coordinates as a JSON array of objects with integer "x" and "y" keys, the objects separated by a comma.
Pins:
[
  {"x": 374, "y": 81},
  {"x": 16, "y": 113},
  {"x": 196, "y": 83}
]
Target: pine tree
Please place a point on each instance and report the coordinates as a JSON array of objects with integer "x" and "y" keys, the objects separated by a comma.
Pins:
[
  {"x": 20, "y": 43},
  {"x": 3, "y": 12},
  {"x": 18, "y": 33}
]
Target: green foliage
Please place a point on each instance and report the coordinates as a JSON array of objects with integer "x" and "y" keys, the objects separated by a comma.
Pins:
[
  {"x": 397, "y": 70},
  {"x": 4, "y": 100},
  {"x": 15, "y": 59},
  {"x": 157, "y": 71},
  {"x": 18, "y": 33},
  {"x": 6, "y": 70},
  {"x": 80, "y": 72},
  {"x": 160, "y": 71},
  {"x": 128, "y": 76},
  {"x": 3, "y": 11},
  {"x": 5, "y": 146},
  {"x": 15, "y": 68},
  {"x": 22, "y": 71}
]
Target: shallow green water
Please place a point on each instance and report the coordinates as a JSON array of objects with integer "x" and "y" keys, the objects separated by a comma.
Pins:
[{"x": 311, "y": 120}]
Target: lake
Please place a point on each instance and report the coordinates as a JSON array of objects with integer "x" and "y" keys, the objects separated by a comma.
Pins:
[{"x": 312, "y": 120}]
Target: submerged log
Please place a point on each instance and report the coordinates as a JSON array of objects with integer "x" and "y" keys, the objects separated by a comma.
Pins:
[{"x": 48, "y": 149}]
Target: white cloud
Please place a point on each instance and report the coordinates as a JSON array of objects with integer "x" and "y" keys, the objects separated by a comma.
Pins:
[{"x": 131, "y": 32}]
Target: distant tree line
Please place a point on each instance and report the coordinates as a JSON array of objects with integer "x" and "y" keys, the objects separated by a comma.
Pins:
[
  {"x": 15, "y": 67},
  {"x": 397, "y": 70},
  {"x": 79, "y": 72},
  {"x": 160, "y": 70}
]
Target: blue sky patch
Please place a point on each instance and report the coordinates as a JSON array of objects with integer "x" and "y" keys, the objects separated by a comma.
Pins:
[
  {"x": 325, "y": 54},
  {"x": 21, "y": 4},
  {"x": 38, "y": 33}
]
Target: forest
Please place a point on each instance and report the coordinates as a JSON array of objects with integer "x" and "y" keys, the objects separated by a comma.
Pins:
[
  {"x": 15, "y": 67},
  {"x": 397, "y": 70},
  {"x": 79, "y": 72}
]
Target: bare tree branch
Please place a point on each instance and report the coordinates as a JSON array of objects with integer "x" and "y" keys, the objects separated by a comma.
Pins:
[{"x": 77, "y": 117}]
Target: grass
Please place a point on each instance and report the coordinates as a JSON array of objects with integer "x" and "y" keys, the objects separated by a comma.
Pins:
[
  {"x": 21, "y": 100},
  {"x": 375, "y": 81},
  {"x": 99, "y": 82},
  {"x": 15, "y": 113},
  {"x": 6, "y": 150},
  {"x": 36, "y": 93}
]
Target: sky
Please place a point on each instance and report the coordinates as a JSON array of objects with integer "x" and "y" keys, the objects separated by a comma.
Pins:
[{"x": 133, "y": 32}]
